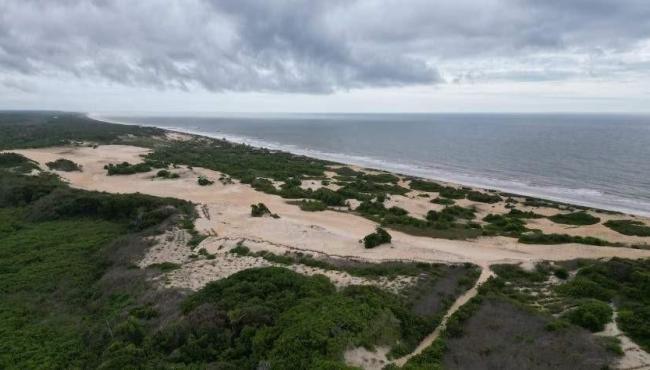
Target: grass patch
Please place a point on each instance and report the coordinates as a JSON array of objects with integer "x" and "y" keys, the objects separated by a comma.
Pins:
[
  {"x": 577, "y": 218},
  {"x": 541, "y": 238},
  {"x": 629, "y": 227}
]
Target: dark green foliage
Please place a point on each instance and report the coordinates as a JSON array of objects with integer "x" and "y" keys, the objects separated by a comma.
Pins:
[
  {"x": 125, "y": 168},
  {"x": 425, "y": 186},
  {"x": 629, "y": 227},
  {"x": 347, "y": 172},
  {"x": 380, "y": 236},
  {"x": 582, "y": 287},
  {"x": 62, "y": 164},
  {"x": 329, "y": 197},
  {"x": 165, "y": 174},
  {"x": 312, "y": 205},
  {"x": 165, "y": 266},
  {"x": 238, "y": 161},
  {"x": 590, "y": 314},
  {"x": 452, "y": 193},
  {"x": 443, "y": 201},
  {"x": 576, "y": 218},
  {"x": 561, "y": 273},
  {"x": 381, "y": 178},
  {"x": 452, "y": 213},
  {"x": 204, "y": 181},
  {"x": 44, "y": 129},
  {"x": 541, "y": 238},
  {"x": 523, "y": 214},
  {"x": 478, "y": 196},
  {"x": 366, "y": 190},
  {"x": 240, "y": 250},
  {"x": 504, "y": 225},
  {"x": 17, "y": 163},
  {"x": 259, "y": 210}
]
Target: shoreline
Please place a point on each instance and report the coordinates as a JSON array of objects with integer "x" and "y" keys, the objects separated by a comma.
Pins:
[{"x": 399, "y": 169}]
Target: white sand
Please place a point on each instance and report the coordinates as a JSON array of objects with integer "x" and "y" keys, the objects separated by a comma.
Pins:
[{"x": 329, "y": 232}]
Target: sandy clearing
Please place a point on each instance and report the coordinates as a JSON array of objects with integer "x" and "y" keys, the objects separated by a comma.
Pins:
[
  {"x": 634, "y": 357},
  {"x": 328, "y": 232}
]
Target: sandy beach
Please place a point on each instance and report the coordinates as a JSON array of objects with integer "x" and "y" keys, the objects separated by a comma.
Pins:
[{"x": 328, "y": 233}]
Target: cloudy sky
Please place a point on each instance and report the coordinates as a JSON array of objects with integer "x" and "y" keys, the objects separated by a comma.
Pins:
[{"x": 325, "y": 55}]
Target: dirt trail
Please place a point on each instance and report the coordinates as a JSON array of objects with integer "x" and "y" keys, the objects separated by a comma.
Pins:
[{"x": 464, "y": 298}]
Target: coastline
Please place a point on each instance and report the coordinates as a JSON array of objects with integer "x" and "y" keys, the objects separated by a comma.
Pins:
[{"x": 550, "y": 193}]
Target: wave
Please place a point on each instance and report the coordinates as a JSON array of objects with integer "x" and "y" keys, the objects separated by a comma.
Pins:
[{"x": 578, "y": 196}]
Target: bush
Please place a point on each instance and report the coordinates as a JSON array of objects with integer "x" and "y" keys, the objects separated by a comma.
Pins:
[
  {"x": 425, "y": 186},
  {"x": 629, "y": 227},
  {"x": 443, "y": 201},
  {"x": 62, "y": 164},
  {"x": 590, "y": 314},
  {"x": 380, "y": 236},
  {"x": 504, "y": 225},
  {"x": 523, "y": 214},
  {"x": 125, "y": 168},
  {"x": 582, "y": 287},
  {"x": 17, "y": 163},
  {"x": 541, "y": 238},
  {"x": 478, "y": 196},
  {"x": 259, "y": 210},
  {"x": 204, "y": 181},
  {"x": 164, "y": 174},
  {"x": 576, "y": 218},
  {"x": 312, "y": 205},
  {"x": 452, "y": 193}
]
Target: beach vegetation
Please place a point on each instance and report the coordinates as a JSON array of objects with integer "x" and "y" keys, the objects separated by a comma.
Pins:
[
  {"x": 312, "y": 205},
  {"x": 165, "y": 174},
  {"x": 379, "y": 237},
  {"x": 504, "y": 225},
  {"x": 17, "y": 163},
  {"x": 423, "y": 185},
  {"x": 125, "y": 168},
  {"x": 451, "y": 192},
  {"x": 537, "y": 237},
  {"x": 204, "y": 181},
  {"x": 443, "y": 201},
  {"x": 591, "y": 314},
  {"x": 580, "y": 218},
  {"x": 481, "y": 197},
  {"x": 63, "y": 164},
  {"x": 629, "y": 227}
]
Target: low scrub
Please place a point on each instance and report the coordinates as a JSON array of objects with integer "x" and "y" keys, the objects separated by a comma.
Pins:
[
  {"x": 312, "y": 205},
  {"x": 590, "y": 314},
  {"x": 62, "y": 164},
  {"x": 165, "y": 174},
  {"x": 379, "y": 237},
  {"x": 577, "y": 218},
  {"x": 541, "y": 238},
  {"x": 204, "y": 181},
  {"x": 629, "y": 227},
  {"x": 125, "y": 168},
  {"x": 478, "y": 196}
]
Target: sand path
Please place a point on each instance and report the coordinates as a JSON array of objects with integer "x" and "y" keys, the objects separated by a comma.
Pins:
[{"x": 486, "y": 273}]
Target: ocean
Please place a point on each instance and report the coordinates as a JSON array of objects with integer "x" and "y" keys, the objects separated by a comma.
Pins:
[{"x": 598, "y": 160}]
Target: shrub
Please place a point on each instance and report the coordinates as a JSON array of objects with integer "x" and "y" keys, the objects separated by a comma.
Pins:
[
  {"x": 443, "y": 201},
  {"x": 380, "y": 236},
  {"x": 541, "y": 238},
  {"x": 576, "y": 218},
  {"x": 561, "y": 273},
  {"x": 629, "y": 227},
  {"x": 478, "y": 196},
  {"x": 62, "y": 164},
  {"x": 125, "y": 168},
  {"x": 523, "y": 214},
  {"x": 590, "y": 314},
  {"x": 425, "y": 186},
  {"x": 452, "y": 193},
  {"x": 582, "y": 287},
  {"x": 259, "y": 210},
  {"x": 312, "y": 205},
  {"x": 204, "y": 181},
  {"x": 17, "y": 163},
  {"x": 329, "y": 197},
  {"x": 165, "y": 266},
  {"x": 504, "y": 225}
]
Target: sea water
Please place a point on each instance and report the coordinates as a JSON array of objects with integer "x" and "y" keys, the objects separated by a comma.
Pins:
[{"x": 600, "y": 160}]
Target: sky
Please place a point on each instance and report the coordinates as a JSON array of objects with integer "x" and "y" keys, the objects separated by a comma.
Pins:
[{"x": 184, "y": 56}]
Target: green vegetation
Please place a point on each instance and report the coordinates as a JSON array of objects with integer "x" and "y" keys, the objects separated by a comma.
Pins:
[
  {"x": 63, "y": 164},
  {"x": 260, "y": 210},
  {"x": 125, "y": 168},
  {"x": 504, "y": 225},
  {"x": 478, "y": 196},
  {"x": 45, "y": 129},
  {"x": 312, "y": 205},
  {"x": 443, "y": 201},
  {"x": 452, "y": 193},
  {"x": 523, "y": 214},
  {"x": 165, "y": 266},
  {"x": 541, "y": 238},
  {"x": 204, "y": 181},
  {"x": 379, "y": 237},
  {"x": 165, "y": 174},
  {"x": 629, "y": 227},
  {"x": 425, "y": 186},
  {"x": 576, "y": 218},
  {"x": 591, "y": 314},
  {"x": 17, "y": 163}
]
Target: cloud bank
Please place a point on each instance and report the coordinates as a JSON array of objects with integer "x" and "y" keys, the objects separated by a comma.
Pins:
[{"x": 322, "y": 46}]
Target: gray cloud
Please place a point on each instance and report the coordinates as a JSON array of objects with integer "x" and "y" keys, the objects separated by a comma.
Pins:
[{"x": 321, "y": 46}]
